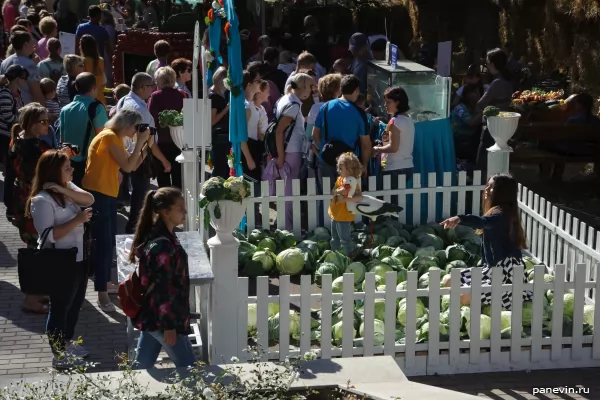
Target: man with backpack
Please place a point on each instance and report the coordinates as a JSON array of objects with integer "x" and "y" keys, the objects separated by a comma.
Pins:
[
  {"x": 341, "y": 126},
  {"x": 81, "y": 120}
]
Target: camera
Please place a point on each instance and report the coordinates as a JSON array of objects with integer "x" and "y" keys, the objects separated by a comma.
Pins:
[
  {"x": 142, "y": 127},
  {"x": 73, "y": 147}
]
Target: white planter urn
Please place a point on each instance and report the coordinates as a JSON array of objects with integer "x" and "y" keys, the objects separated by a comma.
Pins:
[
  {"x": 178, "y": 137},
  {"x": 232, "y": 213},
  {"x": 502, "y": 128}
]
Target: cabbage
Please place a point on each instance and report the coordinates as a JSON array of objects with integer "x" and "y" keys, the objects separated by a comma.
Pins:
[
  {"x": 395, "y": 241},
  {"x": 358, "y": 269},
  {"x": 337, "y": 286},
  {"x": 425, "y": 252},
  {"x": 401, "y": 316},
  {"x": 387, "y": 232},
  {"x": 404, "y": 256},
  {"x": 322, "y": 232},
  {"x": 456, "y": 252},
  {"x": 381, "y": 252},
  {"x": 445, "y": 302},
  {"x": 393, "y": 262},
  {"x": 462, "y": 232},
  {"x": 401, "y": 286},
  {"x": 550, "y": 295},
  {"x": 440, "y": 255},
  {"x": 505, "y": 319},
  {"x": 295, "y": 325},
  {"x": 423, "y": 281},
  {"x": 456, "y": 264},
  {"x": 426, "y": 240},
  {"x": 423, "y": 332},
  {"x": 257, "y": 235},
  {"x": 335, "y": 258},
  {"x": 286, "y": 239},
  {"x": 267, "y": 243},
  {"x": 568, "y": 305},
  {"x": 450, "y": 236},
  {"x": 473, "y": 245},
  {"x": 266, "y": 258},
  {"x": 252, "y": 317},
  {"x": 290, "y": 262},
  {"x": 485, "y": 326},
  {"x": 380, "y": 270},
  {"x": 273, "y": 328},
  {"x": 325, "y": 269},
  {"x": 410, "y": 247},
  {"x": 337, "y": 333},
  {"x": 239, "y": 235},
  {"x": 422, "y": 264},
  {"x": 380, "y": 288},
  {"x": 311, "y": 246},
  {"x": 379, "y": 330},
  {"x": 529, "y": 263},
  {"x": 309, "y": 260},
  {"x": 588, "y": 314},
  {"x": 245, "y": 252},
  {"x": 378, "y": 282},
  {"x": 418, "y": 231},
  {"x": 401, "y": 276},
  {"x": 273, "y": 309},
  {"x": 403, "y": 233}
]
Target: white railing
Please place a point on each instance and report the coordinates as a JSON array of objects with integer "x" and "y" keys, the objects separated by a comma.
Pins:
[
  {"x": 555, "y": 237},
  {"x": 453, "y": 355}
]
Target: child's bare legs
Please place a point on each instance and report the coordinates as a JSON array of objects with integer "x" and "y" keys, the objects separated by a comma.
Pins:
[{"x": 465, "y": 299}]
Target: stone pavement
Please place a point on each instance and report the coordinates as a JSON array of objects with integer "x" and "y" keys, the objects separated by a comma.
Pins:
[{"x": 24, "y": 350}]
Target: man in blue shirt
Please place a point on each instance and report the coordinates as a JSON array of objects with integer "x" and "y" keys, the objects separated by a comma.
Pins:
[
  {"x": 346, "y": 123},
  {"x": 93, "y": 28},
  {"x": 74, "y": 120}
]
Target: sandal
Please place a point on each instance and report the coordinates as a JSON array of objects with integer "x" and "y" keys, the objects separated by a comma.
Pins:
[{"x": 42, "y": 309}]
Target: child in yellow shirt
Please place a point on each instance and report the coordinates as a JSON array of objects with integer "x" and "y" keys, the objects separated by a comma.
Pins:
[{"x": 341, "y": 232}]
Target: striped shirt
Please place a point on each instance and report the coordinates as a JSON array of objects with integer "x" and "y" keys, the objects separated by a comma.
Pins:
[
  {"x": 53, "y": 107},
  {"x": 8, "y": 111},
  {"x": 65, "y": 90}
]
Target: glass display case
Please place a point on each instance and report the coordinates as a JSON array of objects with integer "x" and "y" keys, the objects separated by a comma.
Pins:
[{"x": 428, "y": 93}]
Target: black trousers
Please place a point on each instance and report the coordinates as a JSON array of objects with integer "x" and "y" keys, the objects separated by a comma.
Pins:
[
  {"x": 173, "y": 178},
  {"x": 9, "y": 174},
  {"x": 485, "y": 141},
  {"x": 220, "y": 149}
]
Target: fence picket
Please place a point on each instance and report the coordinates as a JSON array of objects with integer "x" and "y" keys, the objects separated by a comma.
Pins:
[
  {"x": 262, "y": 316},
  {"x": 402, "y": 198},
  {"x": 590, "y": 263},
  {"x": 516, "y": 323},
  {"x": 242, "y": 343},
  {"x": 264, "y": 205},
  {"x": 250, "y": 214},
  {"x": 327, "y": 185},
  {"x": 280, "y": 192},
  {"x": 579, "y": 293},
  {"x": 411, "y": 318},
  {"x": 416, "y": 220},
  {"x": 535, "y": 226},
  {"x": 431, "y": 197},
  {"x": 387, "y": 185},
  {"x": 560, "y": 273},
  {"x": 553, "y": 242},
  {"x": 462, "y": 183},
  {"x": 447, "y": 196},
  {"x": 568, "y": 254},
  {"x": 372, "y": 184},
  {"x": 311, "y": 190},
  {"x": 496, "y": 308},
  {"x": 389, "y": 344},
  {"x": 596, "y": 339},
  {"x": 297, "y": 218},
  {"x": 433, "y": 347},
  {"x": 305, "y": 318},
  {"x": 547, "y": 249},
  {"x": 475, "y": 326},
  {"x": 561, "y": 245},
  {"x": 537, "y": 313},
  {"x": 284, "y": 316},
  {"x": 369, "y": 313},
  {"x": 575, "y": 253},
  {"x": 454, "y": 346},
  {"x": 476, "y": 193},
  {"x": 348, "y": 316},
  {"x": 530, "y": 220},
  {"x": 326, "y": 302}
]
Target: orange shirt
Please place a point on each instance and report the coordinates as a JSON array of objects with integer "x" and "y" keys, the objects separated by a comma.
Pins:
[
  {"x": 339, "y": 211},
  {"x": 100, "y": 77},
  {"x": 101, "y": 170}
]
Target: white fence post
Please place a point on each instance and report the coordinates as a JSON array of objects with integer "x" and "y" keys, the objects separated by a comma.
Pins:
[
  {"x": 189, "y": 189},
  {"x": 224, "y": 302},
  {"x": 497, "y": 162}
]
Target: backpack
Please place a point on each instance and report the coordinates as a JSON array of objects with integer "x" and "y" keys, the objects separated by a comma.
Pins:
[{"x": 270, "y": 133}]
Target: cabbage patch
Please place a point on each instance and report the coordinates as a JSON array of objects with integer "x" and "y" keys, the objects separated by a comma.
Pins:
[
  {"x": 290, "y": 261},
  {"x": 421, "y": 311}
]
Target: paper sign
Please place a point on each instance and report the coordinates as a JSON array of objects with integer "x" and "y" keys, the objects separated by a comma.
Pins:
[
  {"x": 444, "y": 58},
  {"x": 393, "y": 55},
  {"x": 67, "y": 42}
]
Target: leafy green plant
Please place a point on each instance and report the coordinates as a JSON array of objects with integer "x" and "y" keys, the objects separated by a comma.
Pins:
[
  {"x": 491, "y": 111},
  {"x": 169, "y": 118},
  {"x": 235, "y": 188}
]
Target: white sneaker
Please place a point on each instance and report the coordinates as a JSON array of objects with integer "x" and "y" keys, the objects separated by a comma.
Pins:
[
  {"x": 65, "y": 362},
  {"x": 108, "y": 307},
  {"x": 76, "y": 351}
]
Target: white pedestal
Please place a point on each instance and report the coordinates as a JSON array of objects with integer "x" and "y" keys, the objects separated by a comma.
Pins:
[
  {"x": 498, "y": 162},
  {"x": 189, "y": 188}
]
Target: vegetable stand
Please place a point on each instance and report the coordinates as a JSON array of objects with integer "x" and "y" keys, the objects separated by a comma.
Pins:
[{"x": 414, "y": 319}]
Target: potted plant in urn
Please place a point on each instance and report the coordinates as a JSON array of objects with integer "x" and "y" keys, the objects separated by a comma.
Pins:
[
  {"x": 502, "y": 126},
  {"x": 173, "y": 120},
  {"x": 224, "y": 205}
]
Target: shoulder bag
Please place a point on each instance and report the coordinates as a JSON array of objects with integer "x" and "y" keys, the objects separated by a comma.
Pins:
[{"x": 47, "y": 271}]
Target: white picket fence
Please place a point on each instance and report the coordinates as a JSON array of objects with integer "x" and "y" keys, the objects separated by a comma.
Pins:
[
  {"x": 421, "y": 204},
  {"x": 433, "y": 357}
]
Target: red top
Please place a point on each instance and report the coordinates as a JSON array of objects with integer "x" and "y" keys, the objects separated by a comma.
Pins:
[
  {"x": 164, "y": 99},
  {"x": 10, "y": 14}
]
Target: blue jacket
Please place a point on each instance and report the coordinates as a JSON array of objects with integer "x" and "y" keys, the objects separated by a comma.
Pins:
[{"x": 499, "y": 241}]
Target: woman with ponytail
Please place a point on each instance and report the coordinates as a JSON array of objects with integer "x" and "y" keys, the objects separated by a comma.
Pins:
[
  {"x": 88, "y": 48},
  {"x": 164, "y": 317},
  {"x": 11, "y": 84},
  {"x": 499, "y": 95}
]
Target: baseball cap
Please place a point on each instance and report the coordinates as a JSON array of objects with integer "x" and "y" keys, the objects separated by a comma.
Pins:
[{"x": 357, "y": 41}]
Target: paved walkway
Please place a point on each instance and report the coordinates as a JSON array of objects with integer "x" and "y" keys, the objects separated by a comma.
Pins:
[{"x": 24, "y": 350}]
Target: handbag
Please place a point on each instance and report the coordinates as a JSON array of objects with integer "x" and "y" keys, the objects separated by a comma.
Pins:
[{"x": 47, "y": 271}]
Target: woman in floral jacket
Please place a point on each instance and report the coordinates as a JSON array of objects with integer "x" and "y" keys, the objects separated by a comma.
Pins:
[{"x": 164, "y": 318}]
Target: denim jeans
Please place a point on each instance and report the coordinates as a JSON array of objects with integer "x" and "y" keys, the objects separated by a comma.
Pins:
[
  {"x": 150, "y": 343},
  {"x": 64, "y": 312},
  {"x": 104, "y": 229},
  {"x": 341, "y": 237},
  {"x": 139, "y": 188}
]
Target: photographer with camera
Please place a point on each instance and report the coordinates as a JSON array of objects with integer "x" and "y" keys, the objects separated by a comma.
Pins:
[
  {"x": 142, "y": 87},
  {"x": 106, "y": 155}
]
